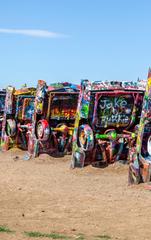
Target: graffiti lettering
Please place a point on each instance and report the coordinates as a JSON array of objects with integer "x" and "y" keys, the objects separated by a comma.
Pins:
[
  {"x": 115, "y": 110},
  {"x": 116, "y": 103},
  {"x": 117, "y": 118}
]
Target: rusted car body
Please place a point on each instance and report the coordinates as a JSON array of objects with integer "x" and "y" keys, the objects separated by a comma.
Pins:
[
  {"x": 106, "y": 122},
  {"x": 19, "y": 108},
  {"x": 55, "y": 109}
]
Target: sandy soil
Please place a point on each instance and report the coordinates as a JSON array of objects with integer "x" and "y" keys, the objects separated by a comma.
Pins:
[{"x": 45, "y": 195}]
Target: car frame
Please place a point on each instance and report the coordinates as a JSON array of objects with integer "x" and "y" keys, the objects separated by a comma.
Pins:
[
  {"x": 106, "y": 122},
  {"x": 19, "y": 105},
  {"x": 2, "y": 107},
  {"x": 53, "y": 123},
  {"x": 140, "y": 153}
]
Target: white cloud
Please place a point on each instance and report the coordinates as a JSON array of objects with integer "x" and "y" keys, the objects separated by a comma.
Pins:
[{"x": 32, "y": 32}]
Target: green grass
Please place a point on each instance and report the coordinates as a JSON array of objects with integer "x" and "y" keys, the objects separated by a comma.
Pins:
[
  {"x": 5, "y": 229},
  {"x": 80, "y": 236},
  {"x": 47, "y": 235},
  {"x": 53, "y": 235},
  {"x": 103, "y": 237}
]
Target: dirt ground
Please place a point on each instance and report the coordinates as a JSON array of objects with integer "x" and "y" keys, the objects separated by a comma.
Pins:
[{"x": 45, "y": 195}]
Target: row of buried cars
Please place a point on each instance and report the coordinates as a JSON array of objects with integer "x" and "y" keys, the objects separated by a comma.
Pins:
[{"x": 98, "y": 123}]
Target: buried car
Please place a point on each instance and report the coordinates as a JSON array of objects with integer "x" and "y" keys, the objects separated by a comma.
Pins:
[
  {"x": 19, "y": 108},
  {"x": 2, "y": 107},
  {"x": 54, "y": 116},
  {"x": 106, "y": 122},
  {"x": 140, "y": 154}
]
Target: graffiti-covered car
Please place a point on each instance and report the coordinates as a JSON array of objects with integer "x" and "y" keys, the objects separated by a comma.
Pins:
[
  {"x": 106, "y": 122},
  {"x": 19, "y": 109},
  {"x": 140, "y": 154},
  {"x": 55, "y": 109},
  {"x": 2, "y": 107}
]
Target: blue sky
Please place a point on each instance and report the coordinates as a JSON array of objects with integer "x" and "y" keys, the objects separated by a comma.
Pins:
[{"x": 74, "y": 39}]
